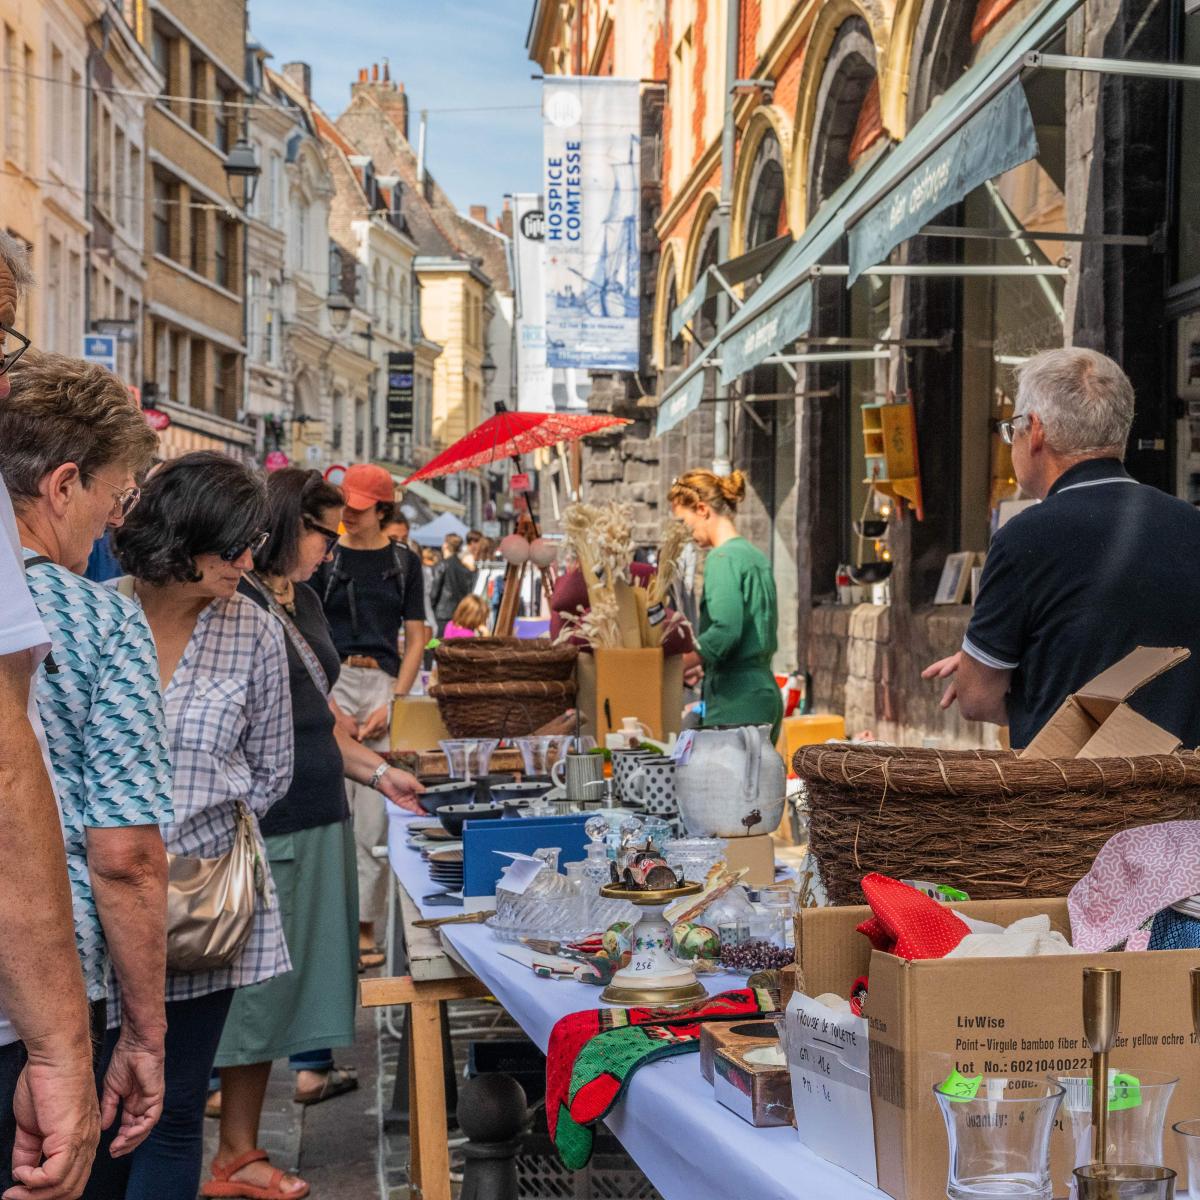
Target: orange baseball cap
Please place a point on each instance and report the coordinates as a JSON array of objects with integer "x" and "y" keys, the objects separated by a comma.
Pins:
[{"x": 364, "y": 485}]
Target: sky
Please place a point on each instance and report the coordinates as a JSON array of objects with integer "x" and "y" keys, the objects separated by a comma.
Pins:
[{"x": 450, "y": 54}]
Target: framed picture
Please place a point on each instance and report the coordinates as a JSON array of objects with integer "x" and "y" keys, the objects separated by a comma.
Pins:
[{"x": 956, "y": 578}]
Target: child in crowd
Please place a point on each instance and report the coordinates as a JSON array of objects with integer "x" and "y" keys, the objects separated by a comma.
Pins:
[{"x": 470, "y": 619}]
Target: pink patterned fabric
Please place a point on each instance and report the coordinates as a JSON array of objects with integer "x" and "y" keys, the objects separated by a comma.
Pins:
[{"x": 1137, "y": 873}]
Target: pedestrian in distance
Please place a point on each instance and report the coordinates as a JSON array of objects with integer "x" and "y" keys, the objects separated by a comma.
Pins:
[
  {"x": 739, "y": 614},
  {"x": 373, "y": 592},
  {"x": 470, "y": 619},
  {"x": 72, "y": 447},
  {"x": 306, "y": 1013},
  {"x": 49, "y": 1115},
  {"x": 223, "y": 674},
  {"x": 1101, "y": 566},
  {"x": 452, "y": 580}
]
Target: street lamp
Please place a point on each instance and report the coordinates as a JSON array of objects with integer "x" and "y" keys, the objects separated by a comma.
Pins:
[
  {"x": 242, "y": 163},
  {"x": 487, "y": 369},
  {"x": 339, "y": 307}
]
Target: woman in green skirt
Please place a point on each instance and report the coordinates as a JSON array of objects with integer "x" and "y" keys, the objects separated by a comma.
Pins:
[
  {"x": 739, "y": 614},
  {"x": 310, "y": 845}
]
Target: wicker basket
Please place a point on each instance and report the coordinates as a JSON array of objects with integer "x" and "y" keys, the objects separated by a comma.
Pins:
[
  {"x": 501, "y": 709},
  {"x": 988, "y": 822},
  {"x": 497, "y": 660}
]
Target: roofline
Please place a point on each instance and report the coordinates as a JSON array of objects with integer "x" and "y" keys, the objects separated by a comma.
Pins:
[
  {"x": 535, "y": 20},
  {"x": 496, "y": 233},
  {"x": 425, "y": 262}
]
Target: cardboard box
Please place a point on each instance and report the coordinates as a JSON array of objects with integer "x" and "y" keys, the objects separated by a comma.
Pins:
[
  {"x": 1095, "y": 722},
  {"x": 618, "y": 683},
  {"x": 756, "y": 853},
  {"x": 1018, "y": 1016}
]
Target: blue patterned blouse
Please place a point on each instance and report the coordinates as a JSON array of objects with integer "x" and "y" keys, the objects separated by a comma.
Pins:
[{"x": 104, "y": 722}]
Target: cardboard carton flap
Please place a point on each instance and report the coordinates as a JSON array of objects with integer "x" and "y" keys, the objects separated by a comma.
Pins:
[{"x": 1135, "y": 670}]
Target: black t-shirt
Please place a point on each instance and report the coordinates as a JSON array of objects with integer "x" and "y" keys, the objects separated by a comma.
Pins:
[
  {"x": 1103, "y": 565},
  {"x": 317, "y": 795},
  {"x": 368, "y": 595}
]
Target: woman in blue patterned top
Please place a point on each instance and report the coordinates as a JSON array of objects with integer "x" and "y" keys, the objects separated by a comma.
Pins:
[
  {"x": 72, "y": 446},
  {"x": 224, "y": 678}
]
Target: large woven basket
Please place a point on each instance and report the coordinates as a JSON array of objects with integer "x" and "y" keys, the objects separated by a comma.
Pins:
[
  {"x": 496, "y": 660},
  {"x": 501, "y": 709},
  {"x": 988, "y": 822}
]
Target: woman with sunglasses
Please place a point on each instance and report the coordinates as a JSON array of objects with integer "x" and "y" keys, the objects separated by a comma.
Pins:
[
  {"x": 223, "y": 672},
  {"x": 310, "y": 844}
]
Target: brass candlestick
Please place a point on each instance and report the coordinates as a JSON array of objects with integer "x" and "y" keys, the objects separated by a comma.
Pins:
[{"x": 1101, "y": 1019}]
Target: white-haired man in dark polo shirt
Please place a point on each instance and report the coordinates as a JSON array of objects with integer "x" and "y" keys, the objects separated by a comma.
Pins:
[{"x": 1103, "y": 565}]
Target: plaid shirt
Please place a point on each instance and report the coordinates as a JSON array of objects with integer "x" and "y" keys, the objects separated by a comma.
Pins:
[{"x": 229, "y": 719}]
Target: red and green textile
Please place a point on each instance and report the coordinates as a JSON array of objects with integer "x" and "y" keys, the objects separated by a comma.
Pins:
[{"x": 592, "y": 1056}]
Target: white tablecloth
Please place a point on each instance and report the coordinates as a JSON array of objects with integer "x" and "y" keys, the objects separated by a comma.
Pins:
[{"x": 689, "y": 1146}]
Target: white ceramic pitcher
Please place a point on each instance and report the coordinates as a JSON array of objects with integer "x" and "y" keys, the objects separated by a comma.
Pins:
[{"x": 733, "y": 784}]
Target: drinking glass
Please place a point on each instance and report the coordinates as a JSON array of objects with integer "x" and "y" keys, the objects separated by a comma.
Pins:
[
  {"x": 1137, "y": 1115},
  {"x": 468, "y": 758},
  {"x": 1119, "y": 1181},
  {"x": 1000, "y": 1138},
  {"x": 539, "y": 754},
  {"x": 1188, "y": 1133}
]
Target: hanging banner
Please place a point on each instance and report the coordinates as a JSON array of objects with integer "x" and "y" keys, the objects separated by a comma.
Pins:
[
  {"x": 540, "y": 388},
  {"x": 400, "y": 391},
  {"x": 592, "y": 171}
]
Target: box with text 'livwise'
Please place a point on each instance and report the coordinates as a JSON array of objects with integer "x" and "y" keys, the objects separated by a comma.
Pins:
[{"x": 994, "y": 1016}]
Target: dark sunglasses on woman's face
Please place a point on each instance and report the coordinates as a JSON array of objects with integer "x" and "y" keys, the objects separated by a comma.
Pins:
[
  {"x": 330, "y": 536},
  {"x": 254, "y": 544}
]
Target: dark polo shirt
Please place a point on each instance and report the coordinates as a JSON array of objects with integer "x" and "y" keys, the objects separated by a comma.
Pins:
[{"x": 1104, "y": 564}]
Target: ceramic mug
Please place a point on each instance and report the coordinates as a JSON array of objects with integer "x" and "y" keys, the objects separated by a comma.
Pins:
[
  {"x": 575, "y": 772},
  {"x": 624, "y": 762},
  {"x": 652, "y": 785}
]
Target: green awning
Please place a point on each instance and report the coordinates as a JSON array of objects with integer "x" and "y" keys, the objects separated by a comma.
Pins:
[
  {"x": 734, "y": 271},
  {"x": 978, "y": 129},
  {"x": 681, "y": 400}
]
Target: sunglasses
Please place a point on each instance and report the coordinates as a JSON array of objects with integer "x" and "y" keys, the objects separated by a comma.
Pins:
[
  {"x": 254, "y": 543},
  {"x": 330, "y": 535},
  {"x": 8, "y": 361}
]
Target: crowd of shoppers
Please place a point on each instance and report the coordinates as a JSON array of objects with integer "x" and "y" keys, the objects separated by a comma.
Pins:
[{"x": 167, "y": 734}]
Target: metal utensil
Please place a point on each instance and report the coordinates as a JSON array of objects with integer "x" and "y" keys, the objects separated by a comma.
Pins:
[
  {"x": 1101, "y": 1020},
  {"x": 475, "y": 918}
]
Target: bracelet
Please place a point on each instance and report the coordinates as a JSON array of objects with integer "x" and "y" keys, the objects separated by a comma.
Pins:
[{"x": 376, "y": 775}]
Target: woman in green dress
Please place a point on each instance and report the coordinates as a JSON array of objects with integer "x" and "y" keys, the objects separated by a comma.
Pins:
[{"x": 739, "y": 615}]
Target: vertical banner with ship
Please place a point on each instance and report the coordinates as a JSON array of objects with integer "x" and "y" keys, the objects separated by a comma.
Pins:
[{"x": 592, "y": 198}]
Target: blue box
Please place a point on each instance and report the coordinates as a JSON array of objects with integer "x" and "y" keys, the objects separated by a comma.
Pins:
[{"x": 482, "y": 866}]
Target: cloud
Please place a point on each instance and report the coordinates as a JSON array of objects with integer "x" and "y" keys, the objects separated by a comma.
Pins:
[{"x": 450, "y": 54}]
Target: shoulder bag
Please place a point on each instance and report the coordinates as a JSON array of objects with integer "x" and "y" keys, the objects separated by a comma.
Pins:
[{"x": 211, "y": 902}]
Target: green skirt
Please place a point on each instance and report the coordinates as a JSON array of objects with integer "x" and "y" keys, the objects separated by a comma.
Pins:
[{"x": 312, "y": 1007}]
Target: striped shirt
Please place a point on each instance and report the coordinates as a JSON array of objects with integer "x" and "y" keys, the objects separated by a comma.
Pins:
[{"x": 229, "y": 720}]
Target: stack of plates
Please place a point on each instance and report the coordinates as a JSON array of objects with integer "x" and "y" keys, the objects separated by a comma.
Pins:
[{"x": 446, "y": 867}]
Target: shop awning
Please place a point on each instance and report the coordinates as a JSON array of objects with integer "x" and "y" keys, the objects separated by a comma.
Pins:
[
  {"x": 978, "y": 129},
  {"x": 438, "y": 501},
  {"x": 728, "y": 274}
]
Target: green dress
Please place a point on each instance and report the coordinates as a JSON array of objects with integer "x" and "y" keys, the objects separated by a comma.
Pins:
[{"x": 739, "y": 621}]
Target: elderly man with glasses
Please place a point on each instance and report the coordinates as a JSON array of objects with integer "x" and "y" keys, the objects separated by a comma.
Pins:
[
  {"x": 1101, "y": 566},
  {"x": 49, "y": 1118}
]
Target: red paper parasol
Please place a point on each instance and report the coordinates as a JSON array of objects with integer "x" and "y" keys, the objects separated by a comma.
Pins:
[{"x": 510, "y": 434}]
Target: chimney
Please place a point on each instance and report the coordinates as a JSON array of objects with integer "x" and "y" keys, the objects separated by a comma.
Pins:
[
  {"x": 374, "y": 72},
  {"x": 386, "y": 92},
  {"x": 479, "y": 213},
  {"x": 505, "y": 221},
  {"x": 300, "y": 75}
]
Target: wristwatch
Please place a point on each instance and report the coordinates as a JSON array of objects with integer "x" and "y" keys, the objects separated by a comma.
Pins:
[{"x": 376, "y": 775}]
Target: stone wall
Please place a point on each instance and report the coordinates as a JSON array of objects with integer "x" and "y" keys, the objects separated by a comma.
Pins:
[{"x": 866, "y": 664}]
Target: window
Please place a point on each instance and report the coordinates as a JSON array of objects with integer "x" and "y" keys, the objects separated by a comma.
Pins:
[
  {"x": 162, "y": 216},
  {"x": 223, "y": 254},
  {"x": 390, "y": 300},
  {"x": 16, "y": 96},
  {"x": 226, "y": 120},
  {"x": 74, "y": 144},
  {"x": 254, "y": 317},
  {"x": 160, "y": 52},
  {"x": 225, "y": 386},
  {"x": 198, "y": 245},
  {"x": 54, "y": 292},
  {"x": 1188, "y": 249},
  {"x": 275, "y": 189},
  {"x": 118, "y": 204},
  {"x": 133, "y": 215},
  {"x": 56, "y": 107},
  {"x": 273, "y": 324},
  {"x": 681, "y": 84},
  {"x": 74, "y": 292},
  {"x": 199, "y": 93}
]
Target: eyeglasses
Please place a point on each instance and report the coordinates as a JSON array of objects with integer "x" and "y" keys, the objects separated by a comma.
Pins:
[
  {"x": 330, "y": 536},
  {"x": 123, "y": 498},
  {"x": 8, "y": 361},
  {"x": 254, "y": 544},
  {"x": 1008, "y": 429}
]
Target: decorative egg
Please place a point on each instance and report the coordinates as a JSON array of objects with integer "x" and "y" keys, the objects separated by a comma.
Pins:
[
  {"x": 514, "y": 549},
  {"x": 542, "y": 553},
  {"x": 616, "y": 938},
  {"x": 690, "y": 940}
]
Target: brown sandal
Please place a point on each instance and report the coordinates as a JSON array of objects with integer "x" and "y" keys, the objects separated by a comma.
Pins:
[
  {"x": 370, "y": 958},
  {"x": 222, "y": 1184},
  {"x": 337, "y": 1082}
]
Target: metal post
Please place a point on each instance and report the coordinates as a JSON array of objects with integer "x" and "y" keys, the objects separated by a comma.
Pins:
[{"x": 722, "y": 463}]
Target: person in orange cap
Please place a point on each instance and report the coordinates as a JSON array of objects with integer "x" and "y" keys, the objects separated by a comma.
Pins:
[{"x": 373, "y": 590}]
